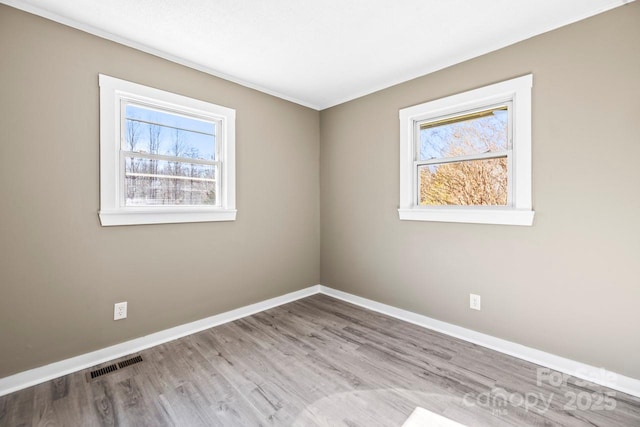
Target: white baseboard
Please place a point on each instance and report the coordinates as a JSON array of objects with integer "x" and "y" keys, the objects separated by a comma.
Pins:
[
  {"x": 571, "y": 367},
  {"x": 39, "y": 375}
]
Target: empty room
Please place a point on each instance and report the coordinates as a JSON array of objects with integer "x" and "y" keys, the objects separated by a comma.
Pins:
[{"x": 319, "y": 213}]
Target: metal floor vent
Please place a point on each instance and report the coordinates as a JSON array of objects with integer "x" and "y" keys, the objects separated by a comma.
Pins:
[
  {"x": 103, "y": 371},
  {"x": 129, "y": 362},
  {"x": 113, "y": 367}
]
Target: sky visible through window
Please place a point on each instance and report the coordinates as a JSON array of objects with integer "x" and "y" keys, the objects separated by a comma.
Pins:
[{"x": 158, "y": 132}]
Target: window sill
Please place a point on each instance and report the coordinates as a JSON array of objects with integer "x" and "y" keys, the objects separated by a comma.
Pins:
[
  {"x": 473, "y": 216},
  {"x": 136, "y": 216}
]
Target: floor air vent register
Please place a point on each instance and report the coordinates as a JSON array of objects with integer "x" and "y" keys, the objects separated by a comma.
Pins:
[{"x": 113, "y": 367}]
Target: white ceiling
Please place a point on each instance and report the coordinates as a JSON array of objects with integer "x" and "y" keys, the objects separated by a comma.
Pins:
[{"x": 317, "y": 53}]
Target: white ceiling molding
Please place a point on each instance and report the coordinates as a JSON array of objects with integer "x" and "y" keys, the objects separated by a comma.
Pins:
[{"x": 316, "y": 53}]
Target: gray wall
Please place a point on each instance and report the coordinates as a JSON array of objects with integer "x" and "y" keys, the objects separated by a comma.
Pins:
[
  {"x": 568, "y": 285},
  {"x": 60, "y": 272}
]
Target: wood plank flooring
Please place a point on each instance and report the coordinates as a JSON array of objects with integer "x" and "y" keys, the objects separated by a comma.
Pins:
[{"x": 318, "y": 362}]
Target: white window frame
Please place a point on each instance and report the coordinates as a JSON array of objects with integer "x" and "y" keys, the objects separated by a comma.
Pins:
[
  {"x": 519, "y": 211},
  {"x": 114, "y": 93}
]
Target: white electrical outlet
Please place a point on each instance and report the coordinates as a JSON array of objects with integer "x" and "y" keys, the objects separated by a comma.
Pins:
[
  {"x": 474, "y": 301},
  {"x": 120, "y": 310}
]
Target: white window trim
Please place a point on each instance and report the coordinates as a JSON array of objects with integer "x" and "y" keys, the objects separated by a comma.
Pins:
[
  {"x": 112, "y": 92},
  {"x": 518, "y": 91}
]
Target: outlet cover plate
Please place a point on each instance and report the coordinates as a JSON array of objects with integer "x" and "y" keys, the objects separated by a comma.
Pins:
[
  {"x": 120, "y": 311},
  {"x": 474, "y": 301}
]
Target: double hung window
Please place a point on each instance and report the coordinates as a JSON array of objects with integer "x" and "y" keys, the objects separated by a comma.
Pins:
[
  {"x": 467, "y": 157},
  {"x": 164, "y": 157}
]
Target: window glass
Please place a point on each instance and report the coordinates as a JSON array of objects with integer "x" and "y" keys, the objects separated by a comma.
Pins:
[
  {"x": 469, "y": 183},
  {"x": 159, "y": 132},
  {"x": 161, "y": 182},
  {"x": 480, "y": 132}
]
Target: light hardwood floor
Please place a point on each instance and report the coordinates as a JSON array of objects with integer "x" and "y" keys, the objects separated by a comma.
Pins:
[{"x": 318, "y": 362}]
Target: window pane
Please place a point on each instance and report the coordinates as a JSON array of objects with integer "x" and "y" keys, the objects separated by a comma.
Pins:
[
  {"x": 475, "y": 133},
  {"x": 470, "y": 183},
  {"x": 158, "y": 132},
  {"x": 160, "y": 182}
]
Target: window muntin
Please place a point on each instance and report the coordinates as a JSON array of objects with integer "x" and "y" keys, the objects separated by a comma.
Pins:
[
  {"x": 164, "y": 157},
  {"x": 463, "y": 160},
  {"x": 426, "y": 147}
]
